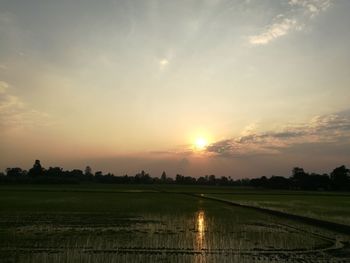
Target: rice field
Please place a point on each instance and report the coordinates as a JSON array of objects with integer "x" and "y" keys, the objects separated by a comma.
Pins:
[
  {"x": 330, "y": 207},
  {"x": 151, "y": 224}
]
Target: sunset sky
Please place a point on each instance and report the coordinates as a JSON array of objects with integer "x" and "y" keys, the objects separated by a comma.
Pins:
[{"x": 239, "y": 88}]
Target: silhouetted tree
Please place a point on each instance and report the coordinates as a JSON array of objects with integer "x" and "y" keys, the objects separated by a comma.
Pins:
[
  {"x": 54, "y": 172},
  {"x": 163, "y": 176},
  {"x": 212, "y": 179},
  {"x": 278, "y": 182},
  {"x": 15, "y": 172},
  {"x": 88, "y": 171},
  {"x": 142, "y": 178},
  {"x": 259, "y": 182},
  {"x": 223, "y": 180},
  {"x": 317, "y": 182},
  {"x": 98, "y": 174},
  {"x": 179, "y": 178},
  {"x": 298, "y": 178},
  {"x": 76, "y": 173},
  {"x": 340, "y": 178},
  {"x": 202, "y": 180},
  {"x": 37, "y": 169}
]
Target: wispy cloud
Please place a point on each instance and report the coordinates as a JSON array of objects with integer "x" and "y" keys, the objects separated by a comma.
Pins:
[
  {"x": 299, "y": 13},
  {"x": 311, "y": 7},
  {"x": 333, "y": 128},
  {"x": 15, "y": 114},
  {"x": 273, "y": 31}
]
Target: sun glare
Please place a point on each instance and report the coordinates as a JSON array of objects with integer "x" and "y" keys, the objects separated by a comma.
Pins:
[{"x": 200, "y": 143}]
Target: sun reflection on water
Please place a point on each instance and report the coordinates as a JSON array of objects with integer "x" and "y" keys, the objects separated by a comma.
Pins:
[{"x": 200, "y": 225}]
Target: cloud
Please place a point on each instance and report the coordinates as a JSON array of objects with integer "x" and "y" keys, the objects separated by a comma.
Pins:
[
  {"x": 273, "y": 31},
  {"x": 183, "y": 150},
  {"x": 15, "y": 114},
  {"x": 334, "y": 129},
  {"x": 299, "y": 12},
  {"x": 311, "y": 7}
]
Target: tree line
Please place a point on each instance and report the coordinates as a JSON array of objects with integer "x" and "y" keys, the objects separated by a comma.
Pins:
[{"x": 337, "y": 180}]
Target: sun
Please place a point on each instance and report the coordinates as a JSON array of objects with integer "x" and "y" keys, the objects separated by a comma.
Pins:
[{"x": 200, "y": 143}]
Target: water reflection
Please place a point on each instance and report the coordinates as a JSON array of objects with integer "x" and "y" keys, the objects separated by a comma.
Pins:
[{"x": 200, "y": 231}]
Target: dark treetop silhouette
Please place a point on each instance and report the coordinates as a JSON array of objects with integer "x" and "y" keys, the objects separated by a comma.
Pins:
[{"x": 338, "y": 180}]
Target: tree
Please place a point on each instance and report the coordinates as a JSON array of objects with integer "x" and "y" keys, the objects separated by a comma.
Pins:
[
  {"x": 278, "y": 182},
  {"x": 88, "y": 171},
  {"x": 298, "y": 173},
  {"x": 299, "y": 178},
  {"x": 54, "y": 172},
  {"x": 76, "y": 173},
  {"x": 15, "y": 172},
  {"x": 202, "y": 180},
  {"x": 212, "y": 179},
  {"x": 179, "y": 178},
  {"x": 163, "y": 177},
  {"x": 259, "y": 182},
  {"x": 37, "y": 169},
  {"x": 340, "y": 178},
  {"x": 98, "y": 174},
  {"x": 223, "y": 180}
]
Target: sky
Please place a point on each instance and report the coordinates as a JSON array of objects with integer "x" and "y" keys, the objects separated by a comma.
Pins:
[{"x": 240, "y": 88}]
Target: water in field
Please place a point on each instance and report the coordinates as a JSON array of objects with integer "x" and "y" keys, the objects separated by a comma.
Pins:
[{"x": 170, "y": 231}]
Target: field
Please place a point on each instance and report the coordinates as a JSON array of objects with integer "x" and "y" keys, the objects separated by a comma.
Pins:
[
  {"x": 94, "y": 223},
  {"x": 329, "y": 207}
]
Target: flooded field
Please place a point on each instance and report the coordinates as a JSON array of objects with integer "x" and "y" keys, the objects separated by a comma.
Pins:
[
  {"x": 135, "y": 226},
  {"x": 331, "y": 207}
]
